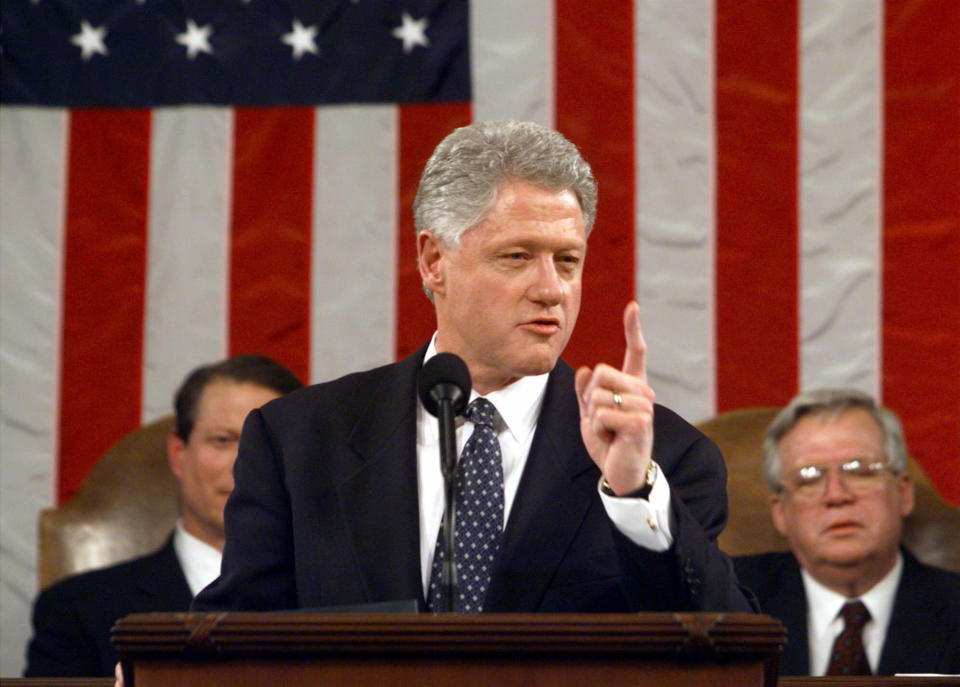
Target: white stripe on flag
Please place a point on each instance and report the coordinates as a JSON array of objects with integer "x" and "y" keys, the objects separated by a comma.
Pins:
[
  {"x": 512, "y": 60},
  {"x": 352, "y": 319},
  {"x": 188, "y": 248},
  {"x": 675, "y": 192},
  {"x": 32, "y": 186},
  {"x": 840, "y": 53}
]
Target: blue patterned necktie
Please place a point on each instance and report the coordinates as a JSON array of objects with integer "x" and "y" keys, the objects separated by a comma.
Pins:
[{"x": 479, "y": 520}]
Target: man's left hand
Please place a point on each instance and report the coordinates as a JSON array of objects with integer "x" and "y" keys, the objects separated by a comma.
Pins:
[{"x": 616, "y": 411}]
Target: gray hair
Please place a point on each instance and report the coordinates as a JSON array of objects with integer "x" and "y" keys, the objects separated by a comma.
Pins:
[
  {"x": 461, "y": 179},
  {"x": 831, "y": 403}
]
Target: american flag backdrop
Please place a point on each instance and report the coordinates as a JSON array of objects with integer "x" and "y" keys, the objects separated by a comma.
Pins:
[{"x": 779, "y": 188}]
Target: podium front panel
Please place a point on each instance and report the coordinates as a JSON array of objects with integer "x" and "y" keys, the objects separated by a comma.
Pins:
[{"x": 708, "y": 649}]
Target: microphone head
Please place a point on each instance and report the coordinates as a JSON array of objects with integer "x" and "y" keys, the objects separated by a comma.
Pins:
[{"x": 444, "y": 376}]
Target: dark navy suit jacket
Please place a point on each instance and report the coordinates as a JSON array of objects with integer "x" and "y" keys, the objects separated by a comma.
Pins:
[
  {"x": 325, "y": 510},
  {"x": 72, "y": 618},
  {"x": 924, "y": 631}
]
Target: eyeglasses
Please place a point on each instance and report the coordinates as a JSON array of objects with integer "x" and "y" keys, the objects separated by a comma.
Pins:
[{"x": 859, "y": 476}]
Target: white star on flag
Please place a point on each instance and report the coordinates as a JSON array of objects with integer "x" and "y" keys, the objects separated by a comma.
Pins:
[
  {"x": 412, "y": 32},
  {"x": 196, "y": 39},
  {"x": 301, "y": 39},
  {"x": 90, "y": 40}
]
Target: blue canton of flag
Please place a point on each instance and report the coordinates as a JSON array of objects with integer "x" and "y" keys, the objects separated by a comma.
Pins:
[{"x": 145, "y": 53}]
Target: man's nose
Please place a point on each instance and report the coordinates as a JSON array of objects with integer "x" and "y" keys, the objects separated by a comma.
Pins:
[
  {"x": 547, "y": 287},
  {"x": 835, "y": 489}
]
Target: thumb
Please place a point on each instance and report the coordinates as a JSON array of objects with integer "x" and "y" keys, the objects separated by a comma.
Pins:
[{"x": 580, "y": 382}]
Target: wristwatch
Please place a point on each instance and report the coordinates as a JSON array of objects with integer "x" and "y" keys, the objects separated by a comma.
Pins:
[{"x": 642, "y": 493}]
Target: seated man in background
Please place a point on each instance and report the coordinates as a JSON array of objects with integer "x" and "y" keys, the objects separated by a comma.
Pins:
[
  {"x": 853, "y": 600},
  {"x": 72, "y": 619}
]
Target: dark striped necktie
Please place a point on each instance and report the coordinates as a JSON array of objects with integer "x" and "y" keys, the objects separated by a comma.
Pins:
[{"x": 848, "y": 656}]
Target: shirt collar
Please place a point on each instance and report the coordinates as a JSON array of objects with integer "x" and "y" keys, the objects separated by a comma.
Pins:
[
  {"x": 824, "y": 604},
  {"x": 518, "y": 404},
  {"x": 200, "y": 561}
]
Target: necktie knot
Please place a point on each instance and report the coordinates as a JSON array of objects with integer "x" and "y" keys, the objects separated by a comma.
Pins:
[
  {"x": 481, "y": 412},
  {"x": 855, "y": 615}
]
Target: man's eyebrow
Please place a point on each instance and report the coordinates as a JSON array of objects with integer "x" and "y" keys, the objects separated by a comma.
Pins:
[
  {"x": 225, "y": 430},
  {"x": 553, "y": 243}
]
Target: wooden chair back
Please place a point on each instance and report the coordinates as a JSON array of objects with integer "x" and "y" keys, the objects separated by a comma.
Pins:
[{"x": 125, "y": 508}]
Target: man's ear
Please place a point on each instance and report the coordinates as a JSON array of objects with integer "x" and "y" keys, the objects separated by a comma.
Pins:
[
  {"x": 430, "y": 251},
  {"x": 776, "y": 513},
  {"x": 907, "y": 493},
  {"x": 175, "y": 450}
]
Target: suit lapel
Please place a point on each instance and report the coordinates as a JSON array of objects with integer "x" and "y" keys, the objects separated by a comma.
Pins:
[
  {"x": 546, "y": 512},
  {"x": 167, "y": 583},
  {"x": 789, "y": 604},
  {"x": 379, "y": 501},
  {"x": 912, "y": 636}
]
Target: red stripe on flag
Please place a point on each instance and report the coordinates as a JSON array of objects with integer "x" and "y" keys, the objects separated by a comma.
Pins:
[
  {"x": 103, "y": 287},
  {"x": 421, "y": 128},
  {"x": 271, "y": 229},
  {"x": 756, "y": 112},
  {"x": 921, "y": 240},
  {"x": 594, "y": 109}
]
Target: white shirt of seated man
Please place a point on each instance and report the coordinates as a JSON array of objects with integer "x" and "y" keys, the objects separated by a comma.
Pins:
[
  {"x": 824, "y": 622},
  {"x": 199, "y": 561}
]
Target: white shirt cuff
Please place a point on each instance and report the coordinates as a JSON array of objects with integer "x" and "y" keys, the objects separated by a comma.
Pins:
[{"x": 645, "y": 522}]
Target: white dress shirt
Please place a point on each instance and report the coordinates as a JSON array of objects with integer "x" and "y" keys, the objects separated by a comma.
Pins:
[
  {"x": 824, "y": 621},
  {"x": 200, "y": 561},
  {"x": 646, "y": 522}
]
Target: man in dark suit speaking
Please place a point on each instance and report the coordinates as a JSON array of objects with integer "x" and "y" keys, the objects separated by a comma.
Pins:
[
  {"x": 590, "y": 497},
  {"x": 72, "y": 619},
  {"x": 853, "y": 600}
]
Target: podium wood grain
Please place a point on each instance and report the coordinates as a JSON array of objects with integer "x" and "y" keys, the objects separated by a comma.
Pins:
[{"x": 694, "y": 649}]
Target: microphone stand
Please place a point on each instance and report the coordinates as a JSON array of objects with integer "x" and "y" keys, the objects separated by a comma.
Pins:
[
  {"x": 443, "y": 386},
  {"x": 448, "y": 466}
]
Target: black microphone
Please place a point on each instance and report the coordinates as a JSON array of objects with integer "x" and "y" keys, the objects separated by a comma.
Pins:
[
  {"x": 444, "y": 388},
  {"x": 444, "y": 377}
]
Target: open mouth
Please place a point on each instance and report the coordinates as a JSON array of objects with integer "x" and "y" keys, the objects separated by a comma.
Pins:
[{"x": 544, "y": 325}]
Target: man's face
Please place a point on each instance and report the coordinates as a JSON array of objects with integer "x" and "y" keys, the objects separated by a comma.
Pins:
[
  {"x": 508, "y": 297},
  {"x": 845, "y": 535},
  {"x": 204, "y": 463}
]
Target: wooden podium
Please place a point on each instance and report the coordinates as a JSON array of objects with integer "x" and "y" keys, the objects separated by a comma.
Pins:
[{"x": 486, "y": 650}]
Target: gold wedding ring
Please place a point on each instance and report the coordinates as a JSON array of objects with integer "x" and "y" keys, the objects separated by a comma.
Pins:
[{"x": 617, "y": 400}]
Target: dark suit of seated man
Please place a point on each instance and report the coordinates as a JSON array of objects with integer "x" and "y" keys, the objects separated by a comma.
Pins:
[
  {"x": 72, "y": 619},
  {"x": 836, "y": 463},
  {"x": 594, "y": 499}
]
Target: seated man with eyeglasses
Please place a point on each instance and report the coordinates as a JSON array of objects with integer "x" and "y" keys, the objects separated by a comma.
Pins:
[{"x": 853, "y": 600}]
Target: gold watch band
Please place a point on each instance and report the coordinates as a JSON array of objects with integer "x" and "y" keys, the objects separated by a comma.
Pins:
[{"x": 643, "y": 492}]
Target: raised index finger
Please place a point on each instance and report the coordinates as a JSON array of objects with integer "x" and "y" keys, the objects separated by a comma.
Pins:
[{"x": 635, "y": 357}]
